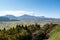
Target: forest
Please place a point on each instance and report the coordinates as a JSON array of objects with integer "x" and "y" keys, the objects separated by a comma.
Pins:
[{"x": 27, "y": 32}]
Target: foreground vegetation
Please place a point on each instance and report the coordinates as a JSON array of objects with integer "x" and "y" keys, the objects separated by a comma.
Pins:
[
  {"x": 55, "y": 34},
  {"x": 24, "y": 32}
]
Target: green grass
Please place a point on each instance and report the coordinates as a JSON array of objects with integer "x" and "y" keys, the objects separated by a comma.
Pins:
[{"x": 55, "y": 34}]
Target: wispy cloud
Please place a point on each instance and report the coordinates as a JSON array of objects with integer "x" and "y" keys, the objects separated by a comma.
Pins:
[{"x": 16, "y": 13}]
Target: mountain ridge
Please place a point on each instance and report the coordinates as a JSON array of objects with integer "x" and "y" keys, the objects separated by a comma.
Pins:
[{"x": 28, "y": 17}]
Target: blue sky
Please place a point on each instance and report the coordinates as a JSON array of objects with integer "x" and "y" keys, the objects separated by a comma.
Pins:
[{"x": 48, "y": 8}]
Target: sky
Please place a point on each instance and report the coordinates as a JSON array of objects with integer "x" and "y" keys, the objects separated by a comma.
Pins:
[{"x": 47, "y": 8}]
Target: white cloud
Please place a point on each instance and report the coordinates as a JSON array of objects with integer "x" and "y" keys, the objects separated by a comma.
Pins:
[{"x": 16, "y": 13}]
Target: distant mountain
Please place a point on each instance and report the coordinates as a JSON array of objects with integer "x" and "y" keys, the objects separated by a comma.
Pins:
[
  {"x": 11, "y": 17},
  {"x": 41, "y": 18},
  {"x": 26, "y": 18},
  {"x": 2, "y": 18},
  {"x": 8, "y": 18}
]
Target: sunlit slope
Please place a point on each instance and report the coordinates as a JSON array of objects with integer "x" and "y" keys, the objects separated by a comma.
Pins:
[{"x": 55, "y": 34}]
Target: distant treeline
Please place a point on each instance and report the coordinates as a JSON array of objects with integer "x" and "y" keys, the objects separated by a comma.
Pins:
[{"x": 24, "y": 32}]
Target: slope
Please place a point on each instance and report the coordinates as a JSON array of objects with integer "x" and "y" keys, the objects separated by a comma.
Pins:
[{"x": 55, "y": 34}]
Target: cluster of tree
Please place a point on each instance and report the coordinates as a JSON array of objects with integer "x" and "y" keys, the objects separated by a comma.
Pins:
[{"x": 24, "y": 32}]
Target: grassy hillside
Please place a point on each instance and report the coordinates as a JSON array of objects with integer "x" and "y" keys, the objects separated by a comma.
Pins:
[{"x": 55, "y": 34}]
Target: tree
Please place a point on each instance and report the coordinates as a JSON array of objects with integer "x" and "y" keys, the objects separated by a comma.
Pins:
[
  {"x": 37, "y": 26},
  {"x": 32, "y": 28},
  {"x": 4, "y": 30},
  {"x": 18, "y": 28},
  {"x": 26, "y": 28}
]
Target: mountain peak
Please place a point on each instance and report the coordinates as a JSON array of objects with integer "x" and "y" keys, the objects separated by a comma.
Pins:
[
  {"x": 9, "y": 15},
  {"x": 26, "y": 15}
]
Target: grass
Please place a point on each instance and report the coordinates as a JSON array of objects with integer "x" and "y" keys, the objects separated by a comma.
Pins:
[{"x": 55, "y": 34}]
